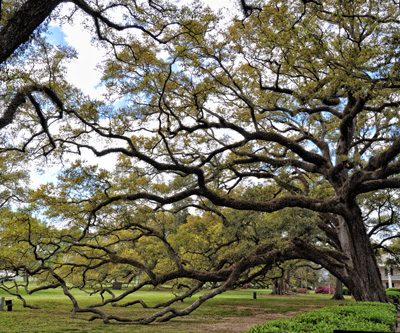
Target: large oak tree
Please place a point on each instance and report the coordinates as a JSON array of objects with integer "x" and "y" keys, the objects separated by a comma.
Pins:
[{"x": 294, "y": 107}]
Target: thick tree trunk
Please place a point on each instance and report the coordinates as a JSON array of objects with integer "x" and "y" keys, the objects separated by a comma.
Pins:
[
  {"x": 363, "y": 277},
  {"x": 278, "y": 287},
  {"x": 354, "y": 263}
]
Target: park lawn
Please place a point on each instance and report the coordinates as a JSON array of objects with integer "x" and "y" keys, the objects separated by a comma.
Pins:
[{"x": 234, "y": 311}]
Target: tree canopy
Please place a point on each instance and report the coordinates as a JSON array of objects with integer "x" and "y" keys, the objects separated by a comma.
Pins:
[{"x": 239, "y": 145}]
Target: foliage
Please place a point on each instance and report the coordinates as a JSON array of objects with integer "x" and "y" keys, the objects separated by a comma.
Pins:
[
  {"x": 13, "y": 179},
  {"x": 362, "y": 316},
  {"x": 393, "y": 294}
]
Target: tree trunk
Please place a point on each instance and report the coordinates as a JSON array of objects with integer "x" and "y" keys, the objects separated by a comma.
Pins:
[
  {"x": 338, "y": 295},
  {"x": 363, "y": 277},
  {"x": 278, "y": 287}
]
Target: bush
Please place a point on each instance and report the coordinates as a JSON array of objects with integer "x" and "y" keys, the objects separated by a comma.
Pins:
[
  {"x": 393, "y": 295},
  {"x": 324, "y": 290},
  {"x": 302, "y": 290},
  {"x": 364, "y": 316},
  {"x": 393, "y": 289}
]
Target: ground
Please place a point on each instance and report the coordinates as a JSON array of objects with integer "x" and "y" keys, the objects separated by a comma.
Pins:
[
  {"x": 241, "y": 324},
  {"x": 231, "y": 312}
]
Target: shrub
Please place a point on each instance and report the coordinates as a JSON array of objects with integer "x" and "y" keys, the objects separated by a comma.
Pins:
[
  {"x": 302, "y": 290},
  {"x": 324, "y": 290},
  {"x": 366, "y": 316},
  {"x": 393, "y": 295},
  {"x": 393, "y": 289}
]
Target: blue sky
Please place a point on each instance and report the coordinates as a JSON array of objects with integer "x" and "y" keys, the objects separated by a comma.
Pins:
[{"x": 55, "y": 36}]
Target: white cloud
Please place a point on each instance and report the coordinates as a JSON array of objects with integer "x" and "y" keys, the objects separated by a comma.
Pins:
[
  {"x": 43, "y": 175},
  {"x": 218, "y": 4},
  {"x": 213, "y": 4},
  {"x": 83, "y": 71}
]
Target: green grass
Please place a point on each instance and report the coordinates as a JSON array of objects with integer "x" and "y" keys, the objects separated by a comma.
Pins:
[{"x": 54, "y": 313}]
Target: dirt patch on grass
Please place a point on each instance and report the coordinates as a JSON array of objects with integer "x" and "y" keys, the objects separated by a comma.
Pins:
[
  {"x": 240, "y": 324},
  {"x": 237, "y": 324}
]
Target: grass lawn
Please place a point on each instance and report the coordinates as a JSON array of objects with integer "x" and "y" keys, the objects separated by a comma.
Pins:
[{"x": 231, "y": 312}]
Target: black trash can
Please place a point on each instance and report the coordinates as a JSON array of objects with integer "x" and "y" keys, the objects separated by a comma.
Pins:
[{"x": 9, "y": 304}]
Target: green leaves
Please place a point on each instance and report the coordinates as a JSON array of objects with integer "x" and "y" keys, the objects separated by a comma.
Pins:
[{"x": 362, "y": 316}]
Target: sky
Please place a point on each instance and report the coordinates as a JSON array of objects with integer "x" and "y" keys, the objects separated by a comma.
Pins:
[{"x": 81, "y": 71}]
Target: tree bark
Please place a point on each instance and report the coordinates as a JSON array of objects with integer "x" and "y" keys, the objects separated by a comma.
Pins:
[
  {"x": 20, "y": 27},
  {"x": 338, "y": 295},
  {"x": 363, "y": 277},
  {"x": 278, "y": 287},
  {"x": 353, "y": 262}
]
